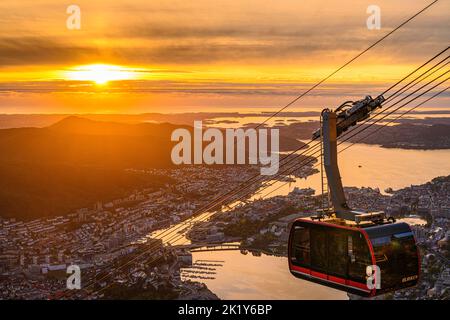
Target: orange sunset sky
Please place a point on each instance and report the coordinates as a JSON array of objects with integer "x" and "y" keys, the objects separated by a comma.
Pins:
[{"x": 202, "y": 55}]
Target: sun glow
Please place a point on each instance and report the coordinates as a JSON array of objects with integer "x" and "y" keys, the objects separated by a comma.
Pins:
[{"x": 101, "y": 73}]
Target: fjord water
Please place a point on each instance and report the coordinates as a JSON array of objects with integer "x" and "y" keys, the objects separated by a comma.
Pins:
[
  {"x": 260, "y": 277},
  {"x": 364, "y": 165}
]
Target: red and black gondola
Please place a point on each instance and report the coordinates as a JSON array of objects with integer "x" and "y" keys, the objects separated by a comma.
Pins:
[
  {"x": 338, "y": 254},
  {"x": 362, "y": 253}
]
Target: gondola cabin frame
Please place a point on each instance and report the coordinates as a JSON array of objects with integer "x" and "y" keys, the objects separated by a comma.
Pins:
[{"x": 336, "y": 253}]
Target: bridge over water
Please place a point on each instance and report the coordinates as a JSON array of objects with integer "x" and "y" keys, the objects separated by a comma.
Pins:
[{"x": 202, "y": 247}]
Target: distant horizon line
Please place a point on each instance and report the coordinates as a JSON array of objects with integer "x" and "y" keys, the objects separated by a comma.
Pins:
[{"x": 434, "y": 110}]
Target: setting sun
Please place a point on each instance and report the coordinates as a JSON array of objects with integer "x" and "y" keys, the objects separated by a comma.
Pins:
[{"x": 100, "y": 73}]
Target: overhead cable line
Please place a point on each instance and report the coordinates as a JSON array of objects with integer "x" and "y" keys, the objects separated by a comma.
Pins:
[
  {"x": 173, "y": 238},
  {"x": 343, "y": 66}
]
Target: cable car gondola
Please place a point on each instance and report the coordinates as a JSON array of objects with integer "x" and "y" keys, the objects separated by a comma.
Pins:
[
  {"x": 338, "y": 255},
  {"x": 361, "y": 253}
]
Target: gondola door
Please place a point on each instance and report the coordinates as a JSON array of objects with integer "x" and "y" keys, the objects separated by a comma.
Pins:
[
  {"x": 319, "y": 252},
  {"x": 337, "y": 240}
]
